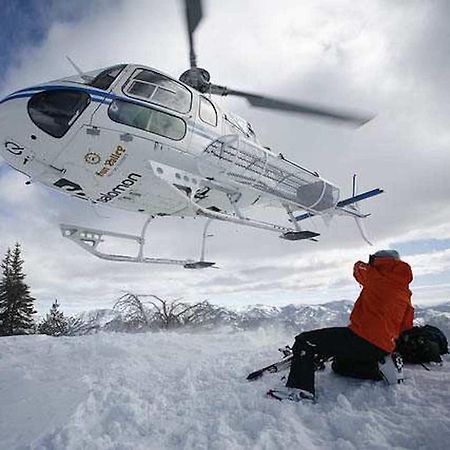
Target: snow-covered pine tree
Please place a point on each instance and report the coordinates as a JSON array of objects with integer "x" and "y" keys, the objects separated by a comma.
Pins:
[
  {"x": 16, "y": 303},
  {"x": 55, "y": 324}
]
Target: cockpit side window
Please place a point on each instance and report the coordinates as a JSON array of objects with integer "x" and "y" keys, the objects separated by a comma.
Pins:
[
  {"x": 156, "y": 88},
  {"x": 147, "y": 119},
  {"x": 55, "y": 111},
  {"x": 104, "y": 79},
  {"x": 208, "y": 113}
]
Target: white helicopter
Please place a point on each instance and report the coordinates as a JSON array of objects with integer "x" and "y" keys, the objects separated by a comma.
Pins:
[{"x": 131, "y": 137}]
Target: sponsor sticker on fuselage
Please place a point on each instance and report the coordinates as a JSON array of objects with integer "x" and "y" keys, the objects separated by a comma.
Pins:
[
  {"x": 118, "y": 190},
  {"x": 92, "y": 158},
  {"x": 111, "y": 161}
]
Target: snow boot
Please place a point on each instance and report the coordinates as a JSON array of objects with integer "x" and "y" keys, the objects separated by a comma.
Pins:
[{"x": 391, "y": 368}]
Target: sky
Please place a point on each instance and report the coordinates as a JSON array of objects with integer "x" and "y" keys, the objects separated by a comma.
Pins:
[{"x": 387, "y": 58}]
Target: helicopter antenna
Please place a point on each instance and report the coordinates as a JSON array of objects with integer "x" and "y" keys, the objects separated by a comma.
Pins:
[{"x": 82, "y": 75}]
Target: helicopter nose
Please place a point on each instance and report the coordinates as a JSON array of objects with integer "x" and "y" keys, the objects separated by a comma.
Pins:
[
  {"x": 15, "y": 135},
  {"x": 11, "y": 114}
]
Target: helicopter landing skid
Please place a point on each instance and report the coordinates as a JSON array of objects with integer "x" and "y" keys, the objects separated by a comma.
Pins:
[
  {"x": 89, "y": 239},
  {"x": 299, "y": 235}
]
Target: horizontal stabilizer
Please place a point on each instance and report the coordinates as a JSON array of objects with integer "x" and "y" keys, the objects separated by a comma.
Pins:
[
  {"x": 346, "y": 202},
  {"x": 359, "y": 197}
]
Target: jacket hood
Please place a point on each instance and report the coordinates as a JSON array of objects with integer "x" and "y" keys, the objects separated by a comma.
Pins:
[{"x": 395, "y": 270}]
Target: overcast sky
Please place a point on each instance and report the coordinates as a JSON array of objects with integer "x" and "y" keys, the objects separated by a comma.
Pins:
[{"x": 391, "y": 58}]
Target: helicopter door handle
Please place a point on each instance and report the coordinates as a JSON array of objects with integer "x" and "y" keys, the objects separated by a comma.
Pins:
[{"x": 126, "y": 137}]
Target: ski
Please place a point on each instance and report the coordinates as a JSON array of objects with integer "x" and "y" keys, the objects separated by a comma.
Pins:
[{"x": 285, "y": 363}]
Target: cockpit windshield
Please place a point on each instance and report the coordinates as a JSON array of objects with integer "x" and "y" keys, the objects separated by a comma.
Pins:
[
  {"x": 100, "y": 78},
  {"x": 156, "y": 88},
  {"x": 105, "y": 78}
]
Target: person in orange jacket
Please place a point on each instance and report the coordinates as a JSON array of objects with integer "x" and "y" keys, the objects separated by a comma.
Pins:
[{"x": 382, "y": 311}]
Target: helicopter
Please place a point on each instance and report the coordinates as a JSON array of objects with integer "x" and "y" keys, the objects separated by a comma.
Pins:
[{"x": 134, "y": 138}]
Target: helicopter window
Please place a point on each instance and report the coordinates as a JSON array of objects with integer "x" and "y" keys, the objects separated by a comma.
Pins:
[
  {"x": 104, "y": 79},
  {"x": 55, "y": 111},
  {"x": 160, "y": 90},
  {"x": 147, "y": 119},
  {"x": 208, "y": 113}
]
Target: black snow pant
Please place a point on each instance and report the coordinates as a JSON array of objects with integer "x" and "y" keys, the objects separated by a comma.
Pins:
[{"x": 352, "y": 353}]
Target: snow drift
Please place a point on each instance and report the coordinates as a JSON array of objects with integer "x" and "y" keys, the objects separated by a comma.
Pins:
[{"x": 183, "y": 390}]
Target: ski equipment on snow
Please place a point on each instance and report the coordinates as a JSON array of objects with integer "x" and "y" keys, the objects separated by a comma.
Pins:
[{"x": 285, "y": 363}]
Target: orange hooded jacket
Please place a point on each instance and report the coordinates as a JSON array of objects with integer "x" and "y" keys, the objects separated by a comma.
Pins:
[{"x": 383, "y": 309}]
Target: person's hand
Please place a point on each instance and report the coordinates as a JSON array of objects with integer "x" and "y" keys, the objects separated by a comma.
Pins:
[
  {"x": 360, "y": 265},
  {"x": 359, "y": 271}
]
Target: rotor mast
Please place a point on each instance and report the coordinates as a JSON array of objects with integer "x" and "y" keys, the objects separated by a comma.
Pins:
[{"x": 199, "y": 79}]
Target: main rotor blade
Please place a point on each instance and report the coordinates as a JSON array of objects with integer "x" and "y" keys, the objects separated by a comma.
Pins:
[
  {"x": 194, "y": 14},
  {"x": 261, "y": 101}
]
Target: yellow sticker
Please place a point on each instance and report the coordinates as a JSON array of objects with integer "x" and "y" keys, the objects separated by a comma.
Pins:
[{"x": 111, "y": 161}]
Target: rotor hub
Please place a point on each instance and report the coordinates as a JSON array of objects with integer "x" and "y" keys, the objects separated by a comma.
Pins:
[{"x": 197, "y": 78}]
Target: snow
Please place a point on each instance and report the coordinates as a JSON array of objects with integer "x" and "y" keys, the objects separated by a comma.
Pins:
[{"x": 180, "y": 390}]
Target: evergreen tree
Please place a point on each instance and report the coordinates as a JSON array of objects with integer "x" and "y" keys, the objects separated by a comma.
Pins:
[
  {"x": 55, "y": 324},
  {"x": 16, "y": 303},
  {"x": 5, "y": 289}
]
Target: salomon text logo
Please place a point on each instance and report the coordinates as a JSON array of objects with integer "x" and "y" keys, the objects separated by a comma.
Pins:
[{"x": 122, "y": 187}]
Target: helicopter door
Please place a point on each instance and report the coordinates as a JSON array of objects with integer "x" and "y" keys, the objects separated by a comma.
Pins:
[
  {"x": 96, "y": 161},
  {"x": 112, "y": 167}
]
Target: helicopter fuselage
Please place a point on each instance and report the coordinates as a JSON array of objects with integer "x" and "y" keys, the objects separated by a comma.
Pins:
[{"x": 126, "y": 137}]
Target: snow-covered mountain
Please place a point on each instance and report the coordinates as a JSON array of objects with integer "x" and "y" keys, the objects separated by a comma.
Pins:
[
  {"x": 294, "y": 318},
  {"x": 438, "y": 316}
]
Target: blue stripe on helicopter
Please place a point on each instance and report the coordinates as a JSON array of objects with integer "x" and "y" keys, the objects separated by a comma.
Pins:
[
  {"x": 95, "y": 97},
  {"x": 51, "y": 87},
  {"x": 99, "y": 97}
]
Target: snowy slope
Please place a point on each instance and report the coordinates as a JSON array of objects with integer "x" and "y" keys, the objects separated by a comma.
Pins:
[{"x": 179, "y": 390}]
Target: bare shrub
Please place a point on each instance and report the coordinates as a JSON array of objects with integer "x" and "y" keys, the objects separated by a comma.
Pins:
[{"x": 150, "y": 311}]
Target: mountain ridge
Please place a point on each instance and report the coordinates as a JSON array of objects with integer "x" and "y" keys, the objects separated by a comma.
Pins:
[{"x": 298, "y": 317}]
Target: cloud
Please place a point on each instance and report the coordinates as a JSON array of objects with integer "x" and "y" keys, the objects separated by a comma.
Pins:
[{"x": 391, "y": 59}]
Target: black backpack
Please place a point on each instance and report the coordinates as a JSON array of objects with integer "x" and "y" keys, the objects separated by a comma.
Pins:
[{"x": 422, "y": 344}]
